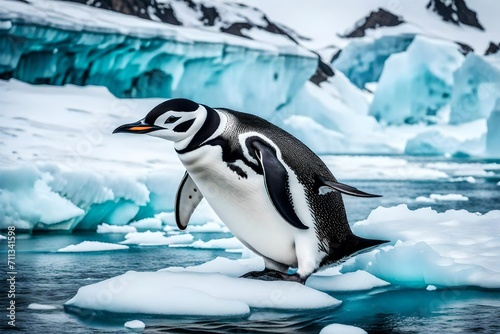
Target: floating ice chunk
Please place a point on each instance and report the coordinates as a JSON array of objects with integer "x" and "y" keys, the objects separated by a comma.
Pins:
[
  {"x": 148, "y": 223},
  {"x": 167, "y": 218},
  {"x": 41, "y": 307},
  {"x": 224, "y": 243},
  {"x": 149, "y": 238},
  {"x": 342, "y": 329},
  {"x": 91, "y": 246},
  {"x": 194, "y": 294},
  {"x": 106, "y": 228},
  {"x": 135, "y": 324},
  {"x": 2, "y": 237},
  {"x": 438, "y": 197},
  {"x": 431, "y": 288},
  {"x": 210, "y": 227},
  {"x": 498, "y": 183},
  {"x": 469, "y": 179},
  {"x": 355, "y": 281},
  {"x": 453, "y": 248}
]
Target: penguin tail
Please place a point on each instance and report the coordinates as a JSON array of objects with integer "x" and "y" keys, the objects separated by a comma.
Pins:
[
  {"x": 351, "y": 246},
  {"x": 360, "y": 245}
]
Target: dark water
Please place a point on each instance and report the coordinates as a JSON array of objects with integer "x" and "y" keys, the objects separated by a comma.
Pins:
[{"x": 47, "y": 277}]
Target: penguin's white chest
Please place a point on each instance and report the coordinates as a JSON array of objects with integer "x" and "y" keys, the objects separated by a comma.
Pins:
[{"x": 243, "y": 204}]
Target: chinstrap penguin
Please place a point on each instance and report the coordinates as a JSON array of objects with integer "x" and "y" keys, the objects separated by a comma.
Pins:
[{"x": 272, "y": 192}]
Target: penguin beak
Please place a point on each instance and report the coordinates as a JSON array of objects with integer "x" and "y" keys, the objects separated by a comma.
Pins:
[{"x": 137, "y": 127}]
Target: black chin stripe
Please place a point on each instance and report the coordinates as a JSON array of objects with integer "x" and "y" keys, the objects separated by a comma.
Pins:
[
  {"x": 183, "y": 127},
  {"x": 207, "y": 129}
]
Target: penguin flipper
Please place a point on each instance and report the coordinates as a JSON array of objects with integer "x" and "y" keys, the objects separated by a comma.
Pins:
[
  {"x": 327, "y": 186},
  {"x": 187, "y": 199},
  {"x": 276, "y": 181}
]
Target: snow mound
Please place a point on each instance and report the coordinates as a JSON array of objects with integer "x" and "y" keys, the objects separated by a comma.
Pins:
[
  {"x": 438, "y": 197},
  {"x": 91, "y": 246},
  {"x": 149, "y": 238},
  {"x": 134, "y": 324},
  {"x": 106, "y": 228},
  {"x": 41, "y": 307},
  {"x": 449, "y": 249},
  {"x": 194, "y": 294},
  {"x": 342, "y": 329}
]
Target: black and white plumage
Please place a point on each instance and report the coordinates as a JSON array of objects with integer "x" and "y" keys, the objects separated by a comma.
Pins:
[{"x": 272, "y": 192}]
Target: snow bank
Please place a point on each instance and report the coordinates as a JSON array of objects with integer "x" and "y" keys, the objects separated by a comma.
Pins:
[
  {"x": 91, "y": 246},
  {"x": 342, "y": 329},
  {"x": 194, "y": 294},
  {"x": 149, "y": 238},
  {"x": 105, "y": 228},
  {"x": 449, "y": 249}
]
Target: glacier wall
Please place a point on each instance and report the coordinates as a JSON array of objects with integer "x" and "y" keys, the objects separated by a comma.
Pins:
[{"x": 131, "y": 66}]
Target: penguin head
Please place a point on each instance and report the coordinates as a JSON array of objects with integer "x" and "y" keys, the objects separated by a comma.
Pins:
[{"x": 174, "y": 120}]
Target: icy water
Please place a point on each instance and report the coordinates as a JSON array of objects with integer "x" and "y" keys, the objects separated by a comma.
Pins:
[{"x": 47, "y": 277}]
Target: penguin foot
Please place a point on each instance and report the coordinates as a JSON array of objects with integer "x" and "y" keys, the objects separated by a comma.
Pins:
[{"x": 273, "y": 275}]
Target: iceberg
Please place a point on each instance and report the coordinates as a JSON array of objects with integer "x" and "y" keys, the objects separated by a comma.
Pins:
[
  {"x": 363, "y": 59},
  {"x": 476, "y": 88},
  {"x": 493, "y": 135},
  {"x": 416, "y": 84}
]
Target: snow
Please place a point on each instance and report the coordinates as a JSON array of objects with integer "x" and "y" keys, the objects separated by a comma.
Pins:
[
  {"x": 342, "y": 329},
  {"x": 439, "y": 197},
  {"x": 105, "y": 228},
  {"x": 135, "y": 324},
  {"x": 453, "y": 248},
  {"x": 41, "y": 307},
  {"x": 91, "y": 246},
  {"x": 149, "y": 238},
  {"x": 195, "y": 294},
  {"x": 148, "y": 223}
]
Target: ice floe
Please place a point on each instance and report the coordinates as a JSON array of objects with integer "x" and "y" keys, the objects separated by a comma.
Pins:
[
  {"x": 224, "y": 243},
  {"x": 440, "y": 197},
  {"x": 452, "y": 248},
  {"x": 41, "y": 307},
  {"x": 134, "y": 324},
  {"x": 106, "y": 228},
  {"x": 194, "y": 294},
  {"x": 157, "y": 238},
  {"x": 342, "y": 329},
  {"x": 92, "y": 246},
  {"x": 147, "y": 223}
]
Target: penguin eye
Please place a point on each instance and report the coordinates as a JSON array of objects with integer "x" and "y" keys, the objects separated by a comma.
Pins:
[{"x": 171, "y": 119}]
